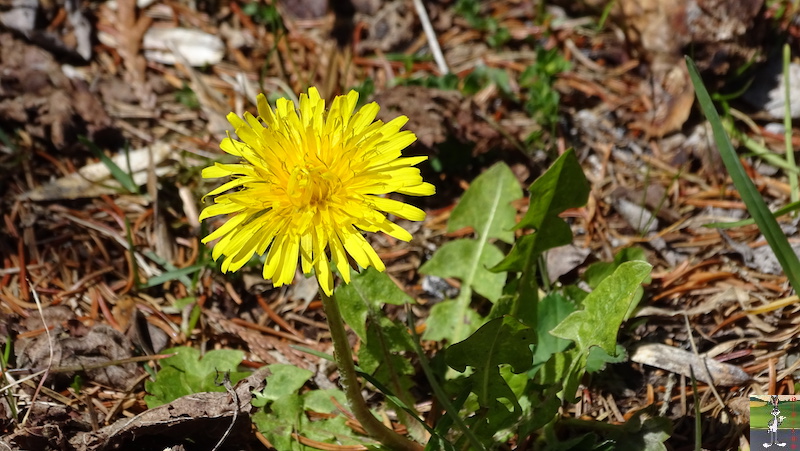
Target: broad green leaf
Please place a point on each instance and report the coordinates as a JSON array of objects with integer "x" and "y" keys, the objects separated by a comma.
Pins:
[
  {"x": 283, "y": 380},
  {"x": 320, "y": 400},
  {"x": 545, "y": 404},
  {"x": 367, "y": 292},
  {"x": 643, "y": 431},
  {"x": 287, "y": 414},
  {"x": 598, "y": 358},
  {"x": 486, "y": 206},
  {"x": 553, "y": 308},
  {"x": 334, "y": 431},
  {"x": 186, "y": 373},
  {"x": 604, "y": 309},
  {"x": 564, "y": 369},
  {"x": 529, "y": 247},
  {"x": 501, "y": 341},
  {"x": 282, "y": 418},
  {"x": 468, "y": 260},
  {"x": 448, "y": 320},
  {"x": 381, "y": 355},
  {"x": 596, "y": 272},
  {"x": 747, "y": 190},
  {"x": 383, "y": 341}
]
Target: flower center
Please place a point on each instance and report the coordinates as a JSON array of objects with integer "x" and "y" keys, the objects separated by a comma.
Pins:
[{"x": 313, "y": 186}]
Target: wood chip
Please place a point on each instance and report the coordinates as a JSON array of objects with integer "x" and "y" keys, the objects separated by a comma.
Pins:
[{"x": 684, "y": 362}]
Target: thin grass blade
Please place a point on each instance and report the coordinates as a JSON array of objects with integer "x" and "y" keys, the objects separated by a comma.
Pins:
[{"x": 747, "y": 189}]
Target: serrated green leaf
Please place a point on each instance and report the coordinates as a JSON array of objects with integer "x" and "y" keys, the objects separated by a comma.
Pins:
[
  {"x": 545, "y": 404},
  {"x": 564, "y": 369},
  {"x": 367, "y": 292},
  {"x": 284, "y": 379},
  {"x": 501, "y": 341},
  {"x": 334, "y": 431},
  {"x": 529, "y": 247},
  {"x": 361, "y": 302},
  {"x": 562, "y": 187},
  {"x": 382, "y": 356},
  {"x": 380, "y": 353},
  {"x": 186, "y": 373},
  {"x": 468, "y": 260},
  {"x": 486, "y": 206},
  {"x": 604, "y": 309}
]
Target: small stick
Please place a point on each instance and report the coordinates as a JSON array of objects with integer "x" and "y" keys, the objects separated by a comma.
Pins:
[{"x": 438, "y": 56}]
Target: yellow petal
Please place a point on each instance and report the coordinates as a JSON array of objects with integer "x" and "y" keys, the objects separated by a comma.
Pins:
[
  {"x": 224, "y": 208},
  {"x": 324, "y": 276},
  {"x": 398, "y": 208},
  {"x": 232, "y": 223}
]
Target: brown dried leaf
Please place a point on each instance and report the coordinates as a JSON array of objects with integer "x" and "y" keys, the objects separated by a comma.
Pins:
[
  {"x": 202, "y": 416},
  {"x": 76, "y": 347}
]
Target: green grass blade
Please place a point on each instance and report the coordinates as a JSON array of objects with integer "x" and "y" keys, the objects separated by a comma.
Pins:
[
  {"x": 125, "y": 179},
  {"x": 698, "y": 424},
  {"x": 747, "y": 190},
  {"x": 174, "y": 274},
  {"x": 788, "y": 208},
  {"x": 787, "y": 127}
]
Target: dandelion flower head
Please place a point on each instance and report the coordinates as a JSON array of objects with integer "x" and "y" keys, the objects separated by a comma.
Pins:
[{"x": 310, "y": 180}]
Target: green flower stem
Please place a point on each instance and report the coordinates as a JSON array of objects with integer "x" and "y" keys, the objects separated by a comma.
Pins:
[{"x": 352, "y": 390}]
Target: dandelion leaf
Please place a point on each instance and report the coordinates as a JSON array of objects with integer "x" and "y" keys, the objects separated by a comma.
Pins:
[
  {"x": 449, "y": 320},
  {"x": 283, "y": 380},
  {"x": 604, "y": 309},
  {"x": 187, "y": 372},
  {"x": 284, "y": 418},
  {"x": 598, "y": 271},
  {"x": 553, "y": 309},
  {"x": 367, "y": 292},
  {"x": 284, "y": 412},
  {"x": 562, "y": 187},
  {"x": 486, "y": 205},
  {"x": 501, "y": 341},
  {"x": 468, "y": 260}
]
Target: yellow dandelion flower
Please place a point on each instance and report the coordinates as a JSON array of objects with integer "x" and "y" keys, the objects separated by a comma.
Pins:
[{"x": 310, "y": 181}]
